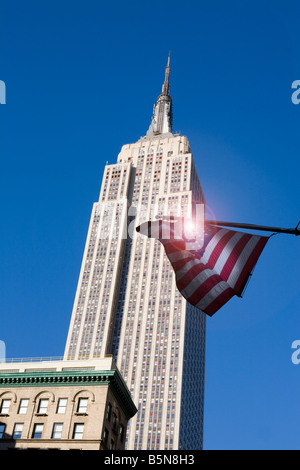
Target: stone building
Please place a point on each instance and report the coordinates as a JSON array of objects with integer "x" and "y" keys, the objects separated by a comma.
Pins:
[{"x": 82, "y": 405}]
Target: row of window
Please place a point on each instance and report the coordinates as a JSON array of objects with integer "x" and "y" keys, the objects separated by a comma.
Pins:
[
  {"x": 38, "y": 431},
  {"x": 43, "y": 406}
]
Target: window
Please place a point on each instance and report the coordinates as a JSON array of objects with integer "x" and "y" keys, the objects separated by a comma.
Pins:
[
  {"x": 78, "y": 431},
  {"x": 43, "y": 406},
  {"x": 114, "y": 421},
  {"x": 57, "y": 430},
  {"x": 23, "y": 406},
  {"x": 121, "y": 433},
  {"x": 105, "y": 436},
  {"x": 2, "y": 430},
  {"x": 82, "y": 405},
  {"x": 112, "y": 445},
  {"x": 5, "y": 407},
  {"x": 108, "y": 412},
  {"x": 17, "y": 434},
  {"x": 62, "y": 406},
  {"x": 37, "y": 431}
]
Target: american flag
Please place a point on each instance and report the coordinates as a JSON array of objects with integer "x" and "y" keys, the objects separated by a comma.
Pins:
[{"x": 208, "y": 277}]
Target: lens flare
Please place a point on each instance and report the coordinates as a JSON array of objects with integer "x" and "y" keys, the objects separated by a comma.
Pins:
[{"x": 189, "y": 228}]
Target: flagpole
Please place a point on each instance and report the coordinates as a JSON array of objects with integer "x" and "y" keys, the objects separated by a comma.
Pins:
[{"x": 291, "y": 231}]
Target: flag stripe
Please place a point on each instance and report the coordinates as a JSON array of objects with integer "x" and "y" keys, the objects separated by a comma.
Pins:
[
  {"x": 180, "y": 264},
  {"x": 178, "y": 256},
  {"x": 219, "y": 301},
  {"x": 234, "y": 256},
  {"x": 210, "y": 276},
  {"x": 216, "y": 252},
  {"x": 185, "y": 271},
  {"x": 206, "y": 286},
  {"x": 229, "y": 250},
  {"x": 242, "y": 260},
  {"x": 212, "y": 244},
  {"x": 173, "y": 246},
  {"x": 212, "y": 295},
  {"x": 191, "y": 281},
  {"x": 250, "y": 264}
]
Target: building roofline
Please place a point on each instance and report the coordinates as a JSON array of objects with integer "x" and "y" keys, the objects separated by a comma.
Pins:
[{"x": 112, "y": 378}]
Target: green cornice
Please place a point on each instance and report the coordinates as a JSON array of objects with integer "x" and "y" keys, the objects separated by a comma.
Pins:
[
  {"x": 55, "y": 379},
  {"x": 111, "y": 378}
]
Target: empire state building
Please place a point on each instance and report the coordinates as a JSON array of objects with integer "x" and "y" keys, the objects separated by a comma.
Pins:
[{"x": 127, "y": 303}]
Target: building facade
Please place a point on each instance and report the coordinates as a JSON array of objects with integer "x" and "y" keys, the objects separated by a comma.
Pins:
[
  {"x": 127, "y": 303},
  {"x": 63, "y": 405}
]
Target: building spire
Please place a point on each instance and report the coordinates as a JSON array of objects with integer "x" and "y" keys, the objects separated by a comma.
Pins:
[
  {"x": 166, "y": 85},
  {"x": 162, "y": 113}
]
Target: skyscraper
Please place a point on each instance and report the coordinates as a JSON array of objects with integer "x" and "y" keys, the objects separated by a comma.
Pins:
[{"x": 127, "y": 303}]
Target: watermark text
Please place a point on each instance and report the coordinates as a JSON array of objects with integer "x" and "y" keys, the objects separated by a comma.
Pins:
[
  {"x": 296, "y": 94},
  {"x": 2, "y": 92},
  {"x": 296, "y": 354},
  {"x": 2, "y": 351},
  {"x": 117, "y": 220}
]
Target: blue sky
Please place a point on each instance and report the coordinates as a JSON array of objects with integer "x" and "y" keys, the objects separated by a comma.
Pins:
[{"x": 82, "y": 78}]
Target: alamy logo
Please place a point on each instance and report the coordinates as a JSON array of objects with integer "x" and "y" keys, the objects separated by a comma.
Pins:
[
  {"x": 296, "y": 354},
  {"x": 2, "y": 351},
  {"x": 295, "y": 96},
  {"x": 2, "y": 92},
  {"x": 118, "y": 221}
]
